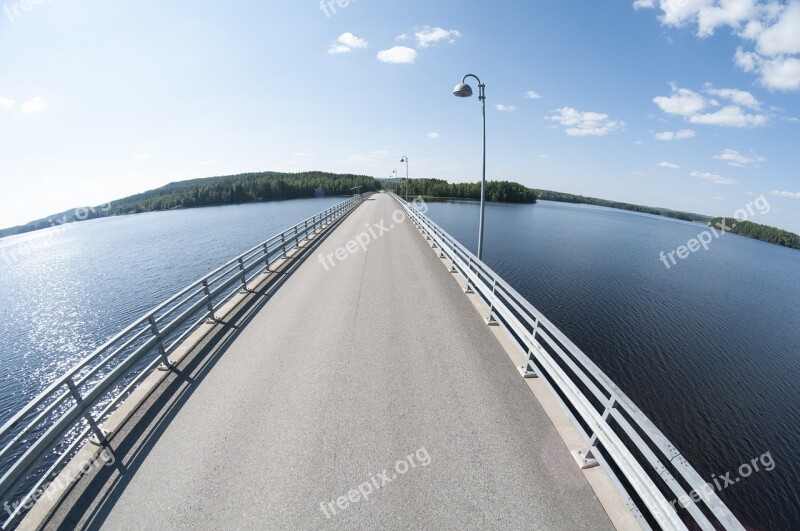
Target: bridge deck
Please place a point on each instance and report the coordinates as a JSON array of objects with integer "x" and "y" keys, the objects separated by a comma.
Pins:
[{"x": 341, "y": 374}]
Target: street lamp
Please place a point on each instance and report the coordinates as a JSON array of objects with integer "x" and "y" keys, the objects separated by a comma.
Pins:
[
  {"x": 405, "y": 159},
  {"x": 463, "y": 90},
  {"x": 395, "y": 175}
]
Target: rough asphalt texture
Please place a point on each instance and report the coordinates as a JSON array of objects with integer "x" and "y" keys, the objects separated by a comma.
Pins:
[{"x": 342, "y": 374}]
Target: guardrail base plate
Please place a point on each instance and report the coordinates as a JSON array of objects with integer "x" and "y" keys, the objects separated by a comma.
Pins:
[{"x": 585, "y": 457}]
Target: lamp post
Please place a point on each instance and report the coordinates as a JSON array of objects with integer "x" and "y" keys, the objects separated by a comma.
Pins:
[
  {"x": 405, "y": 159},
  {"x": 394, "y": 172},
  {"x": 463, "y": 90}
]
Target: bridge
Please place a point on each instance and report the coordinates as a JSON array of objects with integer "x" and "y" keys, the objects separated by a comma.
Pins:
[{"x": 361, "y": 369}]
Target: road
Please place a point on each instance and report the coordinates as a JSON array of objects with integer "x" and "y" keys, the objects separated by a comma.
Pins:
[{"x": 367, "y": 375}]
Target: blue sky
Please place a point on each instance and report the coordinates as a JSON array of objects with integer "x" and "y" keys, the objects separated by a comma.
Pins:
[{"x": 686, "y": 104}]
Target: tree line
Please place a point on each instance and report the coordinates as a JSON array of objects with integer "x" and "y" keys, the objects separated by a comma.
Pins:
[
  {"x": 215, "y": 191},
  {"x": 757, "y": 231},
  {"x": 497, "y": 191},
  {"x": 561, "y": 197}
]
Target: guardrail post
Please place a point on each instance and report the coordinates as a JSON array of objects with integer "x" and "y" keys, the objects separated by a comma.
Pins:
[
  {"x": 283, "y": 245},
  {"x": 209, "y": 305},
  {"x": 491, "y": 321},
  {"x": 585, "y": 457},
  {"x": 166, "y": 365},
  {"x": 100, "y": 435},
  {"x": 243, "y": 276},
  {"x": 453, "y": 256},
  {"x": 527, "y": 370},
  {"x": 267, "y": 270},
  {"x": 468, "y": 290}
]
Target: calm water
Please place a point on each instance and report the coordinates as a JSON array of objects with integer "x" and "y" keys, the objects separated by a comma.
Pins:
[
  {"x": 65, "y": 290},
  {"x": 708, "y": 349}
]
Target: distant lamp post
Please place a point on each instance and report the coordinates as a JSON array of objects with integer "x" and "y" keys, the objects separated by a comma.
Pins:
[
  {"x": 463, "y": 90},
  {"x": 405, "y": 159}
]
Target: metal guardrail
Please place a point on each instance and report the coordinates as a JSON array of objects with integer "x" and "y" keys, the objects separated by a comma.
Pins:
[
  {"x": 60, "y": 419},
  {"x": 640, "y": 460}
]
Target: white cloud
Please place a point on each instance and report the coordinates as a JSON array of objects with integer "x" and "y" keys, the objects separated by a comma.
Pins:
[
  {"x": 208, "y": 162},
  {"x": 639, "y": 173},
  {"x": 716, "y": 179},
  {"x": 675, "y": 135},
  {"x": 36, "y": 104},
  {"x": 398, "y": 55},
  {"x": 584, "y": 123},
  {"x": 731, "y": 116},
  {"x": 428, "y": 35},
  {"x": 682, "y": 102},
  {"x": 782, "y": 73},
  {"x": 668, "y": 165},
  {"x": 505, "y": 108},
  {"x": 644, "y": 4},
  {"x": 783, "y": 37},
  {"x": 690, "y": 105},
  {"x": 738, "y": 97},
  {"x": 734, "y": 158},
  {"x": 433, "y": 135},
  {"x": 779, "y": 73},
  {"x": 7, "y": 103},
  {"x": 771, "y": 27},
  {"x": 346, "y": 43},
  {"x": 731, "y": 13},
  {"x": 532, "y": 95},
  {"x": 783, "y": 193}
]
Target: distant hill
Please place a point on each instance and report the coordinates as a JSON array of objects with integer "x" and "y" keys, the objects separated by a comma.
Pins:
[
  {"x": 757, "y": 231},
  {"x": 214, "y": 191},
  {"x": 548, "y": 195}
]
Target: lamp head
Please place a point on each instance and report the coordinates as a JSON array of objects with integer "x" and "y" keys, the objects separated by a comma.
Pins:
[{"x": 462, "y": 90}]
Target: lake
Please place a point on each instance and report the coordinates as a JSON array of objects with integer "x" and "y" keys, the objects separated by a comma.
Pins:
[{"x": 707, "y": 348}]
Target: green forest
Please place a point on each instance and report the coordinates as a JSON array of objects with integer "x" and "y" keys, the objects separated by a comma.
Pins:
[
  {"x": 757, "y": 231},
  {"x": 497, "y": 191},
  {"x": 243, "y": 188},
  {"x": 215, "y": 191}
]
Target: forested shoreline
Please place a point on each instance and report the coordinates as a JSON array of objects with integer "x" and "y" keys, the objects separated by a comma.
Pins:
[
  {"x": 757, "y": 231},
  {"x": 276, "y": 186}
]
